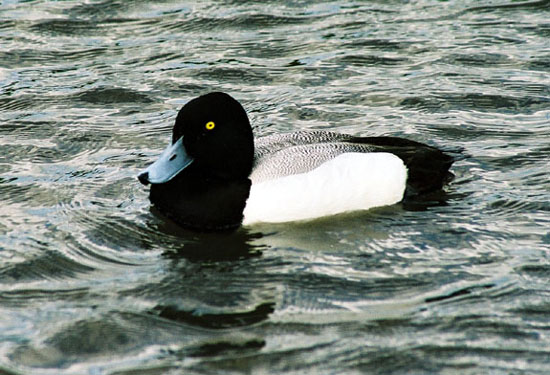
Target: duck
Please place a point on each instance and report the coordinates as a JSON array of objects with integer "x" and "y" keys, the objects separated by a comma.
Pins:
[{"x": 214, "y": 174}]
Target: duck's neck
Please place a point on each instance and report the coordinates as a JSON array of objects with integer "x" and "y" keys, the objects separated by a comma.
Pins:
[{"x": 202, "y": 202}]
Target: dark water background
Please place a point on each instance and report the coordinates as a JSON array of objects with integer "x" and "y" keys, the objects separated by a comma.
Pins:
[{"x": 93, "y": 282}]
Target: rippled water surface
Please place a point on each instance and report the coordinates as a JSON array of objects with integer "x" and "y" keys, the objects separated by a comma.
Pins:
[{"x": 94, "y": 282}]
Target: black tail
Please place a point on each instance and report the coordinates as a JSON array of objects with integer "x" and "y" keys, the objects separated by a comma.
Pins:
[{"x": 428, "y": 167}]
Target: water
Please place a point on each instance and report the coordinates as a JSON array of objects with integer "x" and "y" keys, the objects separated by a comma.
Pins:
[{"x": 94, "y": 282}]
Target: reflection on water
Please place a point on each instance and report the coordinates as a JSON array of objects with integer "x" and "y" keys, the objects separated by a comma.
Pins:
[
  {"x": 93, "y": 280},
  {"x": 209, "y": 246}
]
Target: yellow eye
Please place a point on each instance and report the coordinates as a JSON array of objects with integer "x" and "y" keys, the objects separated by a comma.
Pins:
[{"x": 210, "y": 125}]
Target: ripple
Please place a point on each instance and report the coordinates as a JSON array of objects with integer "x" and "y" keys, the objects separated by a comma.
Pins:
[
  {"x": 220, "y": 347},
  {"x": 458, "y": 293},
  {"x": 540, "y": 64},
  {"x": 21, "y": 297},
  {"x": 112, "y": 333},
  {"x": 250, "y": 76},
  {"x": 532, "y": 88},
  {"x": 113, "y": 233},
  {"x": 478, "y": 102},
  {"x": 27, "y": 103},
  {"x": 365, "y": 60},
  {"x": 540, "y": 29},
  {"x": 14, "y": 104},
  {"x": 21, "y": 58},
  {"x": 513, "y": 6},
  {"x": 69, "y": 27},
  {"x": 100, "y": 10},
  {"x": 216, "y": 320},
  {"x": 478, "y": 59},
  {"x": 115, "y": 95},
  {"x": 388, "y": 45}
]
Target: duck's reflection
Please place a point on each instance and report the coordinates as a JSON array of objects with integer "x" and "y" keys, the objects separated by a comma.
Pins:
[
  {"x": 209, "y": 246},
  {"x": 211, "y": 280}
]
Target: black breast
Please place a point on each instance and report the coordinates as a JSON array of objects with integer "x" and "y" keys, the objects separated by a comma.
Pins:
[{"x": 202, "y": 203}]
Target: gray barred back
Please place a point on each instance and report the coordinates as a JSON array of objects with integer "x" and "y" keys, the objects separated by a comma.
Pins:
[{"x": 299, "y": 152}]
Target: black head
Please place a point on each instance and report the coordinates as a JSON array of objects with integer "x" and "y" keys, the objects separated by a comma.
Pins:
[
  {"x": 217, "y": 135},
  {"x": 201, "y": 179}
]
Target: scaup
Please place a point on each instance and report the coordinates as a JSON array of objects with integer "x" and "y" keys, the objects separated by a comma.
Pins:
[{"x": 215, "y": 175}]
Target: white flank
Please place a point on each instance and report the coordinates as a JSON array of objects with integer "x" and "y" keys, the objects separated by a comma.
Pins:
[{"x": 349, "y": 182}]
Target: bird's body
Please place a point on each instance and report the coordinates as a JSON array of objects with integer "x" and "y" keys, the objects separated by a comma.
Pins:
[{"x": 215, "y": 175}]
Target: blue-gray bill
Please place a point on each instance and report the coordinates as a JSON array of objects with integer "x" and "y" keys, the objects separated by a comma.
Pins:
[{"x": 173, "y": 160}]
